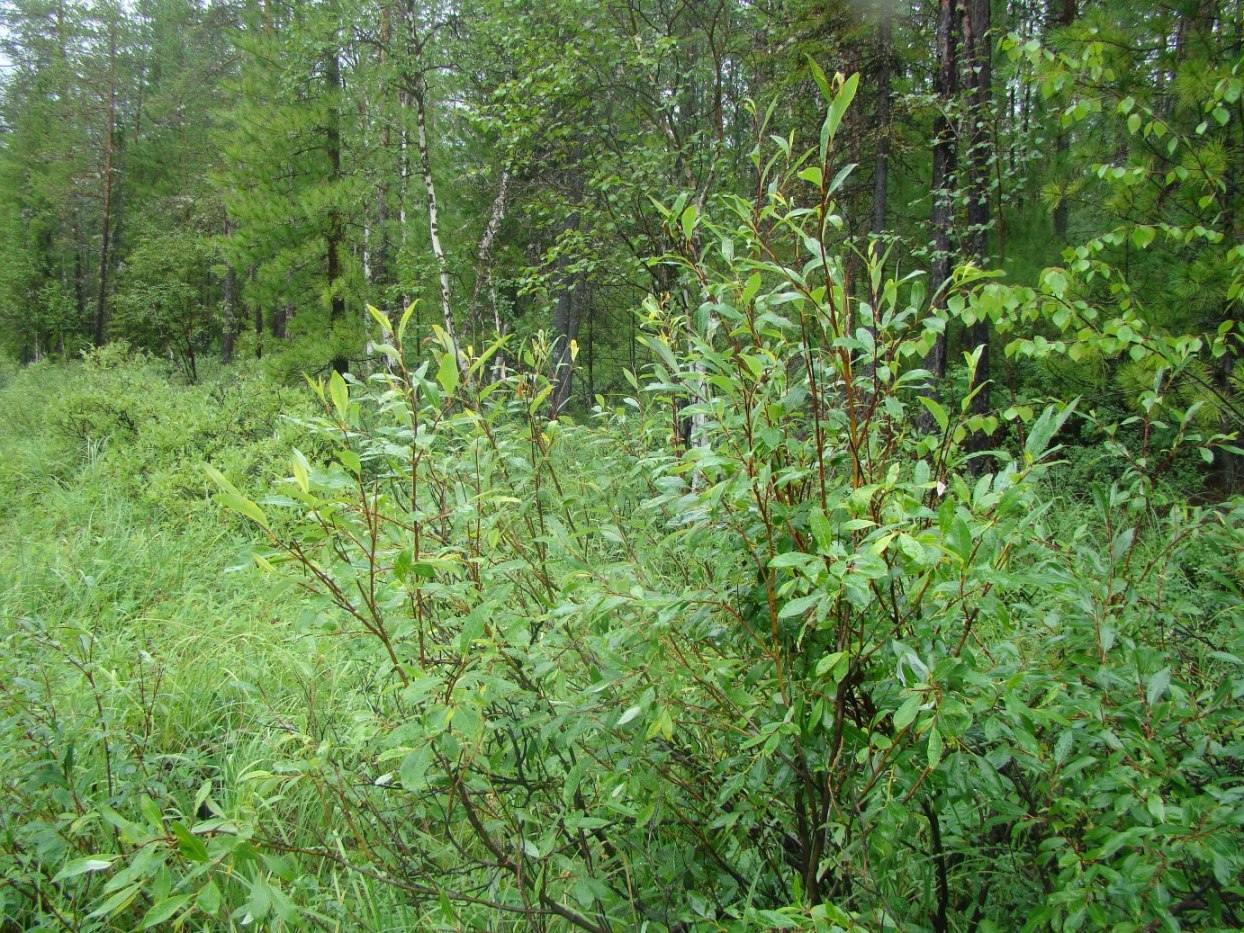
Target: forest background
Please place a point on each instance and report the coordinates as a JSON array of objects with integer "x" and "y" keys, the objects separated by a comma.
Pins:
[{"x": 751, "y": 465}]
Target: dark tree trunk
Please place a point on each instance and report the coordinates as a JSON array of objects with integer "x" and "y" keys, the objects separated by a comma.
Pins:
[
  {"x": 944, "y": 157},
  {"x": 978, "y": 43},
  {"x": 79, "y": 276},
  {"x": 565, "y": 326},
  {"x": 333, "y": 145},
  {"x": 382, "y": 261},
  {"x": 258, "y": 322},
  {"x": 280, "y": 318},
  {"x": 232, "y": 319},
  {"x": 881, "y": 160},
  {"x": 1063, "y": 15},
  {"x": 110, "y": 134}
]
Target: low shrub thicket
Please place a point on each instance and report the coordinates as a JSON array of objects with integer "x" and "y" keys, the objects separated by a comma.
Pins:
[{"x": 771, "y": 646}]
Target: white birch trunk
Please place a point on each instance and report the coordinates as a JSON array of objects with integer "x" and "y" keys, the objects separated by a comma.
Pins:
[{"x": 425, "y": 161}]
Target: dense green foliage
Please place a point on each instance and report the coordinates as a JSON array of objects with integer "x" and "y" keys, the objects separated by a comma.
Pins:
[{"x": 886, "y": 576}]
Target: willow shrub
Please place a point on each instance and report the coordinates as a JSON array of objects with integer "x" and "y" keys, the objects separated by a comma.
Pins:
[{"x": 813, "y": 667}]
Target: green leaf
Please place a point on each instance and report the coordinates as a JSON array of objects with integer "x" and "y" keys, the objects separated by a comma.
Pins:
[
  {"x": 382, "y": 319},
  {"x": 244, "y": 506},
  {"x": 689, "y": 220},
  {"x": 838, "y": 108},
  {"x": 163, "y": 910},
  {"x": 937, "y": 411},
  {"x": 447, "y": 909},
  {"x": 350, "y": 460},
  {"x": 219, "y": 479},
  {"x": 1044, "y": 429},
  {"x": 447, "y": 373},
  {"x": 840, "y": 177},
  {"x": 822, "y": 531},
  {"x": 1142, "y": 236},
  {"x": 936, "y": 747},
  {"x": 406, "y": 315},
  {"x": 414, "y": 768},
  {"x": 118, "y": 901},
  {"x": 835, "y": 664},
  {"x": 629, "y": 715},
  {"x": 663, "y": 726},
  {"x": 750, "y": 289},
  {"x": 82, "y": 866},
  {"x": 1062, "y": 748},
  {"x": 907, "y": 713},
  {"x": 813, "y": 176},
  {"x": 1159, "y": 683},
  {"x": 818, "y": 75},
  {"x": 960, "y": 539},
  {"x": 339, "y": 392},
  {"x": 797, "y": 607},
  {"x": 302, "y": 471},
  {"x": 387, "y": 349},
  {"x": 209, "y": 899},
  {"x": 190, "y": 845},
  {"x": 791, "y": 559}
]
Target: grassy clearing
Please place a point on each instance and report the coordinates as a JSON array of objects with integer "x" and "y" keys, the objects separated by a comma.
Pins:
[{"x": 137, "y": 662}]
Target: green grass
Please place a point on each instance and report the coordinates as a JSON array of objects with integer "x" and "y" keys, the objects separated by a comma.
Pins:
[{"x": 139, "y": 660}]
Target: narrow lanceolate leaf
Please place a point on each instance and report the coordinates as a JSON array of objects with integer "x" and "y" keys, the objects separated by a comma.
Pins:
[
  {"x": 838, "y": 109},
  {"x": 82, "y": 866},
  {"x": 219, "y": 479},
  {"x": 822, "y": 531},
  {"x": 164, "y": 910},
  {"x": 818, "y": 75},
  {"x": 339, "y": 392},
  {"x": 244, "y": 506},
  {"x": 406, "y": 315},
  {"x": 936, "y": 748},
  {"x": 907, "y": 713},
  {"x": 1159, "y": 683},
  {"x": 1044, "y": 429},
  {"x": 190, "y": 845},
  {"x": 385, "y": 324},
  {"x": 118, "y": 901},
  {"x": 937, "y": 411},
  {"x": 629, "y": 715},
  {"x": 302, "y": 471},
  {"x": 447, "y": 374}
]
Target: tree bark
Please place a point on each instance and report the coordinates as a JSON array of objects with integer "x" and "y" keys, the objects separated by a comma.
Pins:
[
  {"x": 110, "y": 133},
  {"x": 258, "y": 321},
  {"x": 944, "y": 159},
  {"x": 442, "y": 264},
  {"x": 333, "y": 146},
  {"x": 978, "y": 43},
  {"x": 381, "y": 260},
  {"x": 337, "y": 301},
  {"x": 1064, "y": 15},
  {"x": 567, "y": 314},
  {"x": 881, "y": 159},
  {"x": 483, "y": 255},
  {"x": 280, "y": 320},
  {"x": 229, "y": 295}
]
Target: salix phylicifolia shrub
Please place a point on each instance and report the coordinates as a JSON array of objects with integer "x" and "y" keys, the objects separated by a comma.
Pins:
[{"x": 806, "y": 670}]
